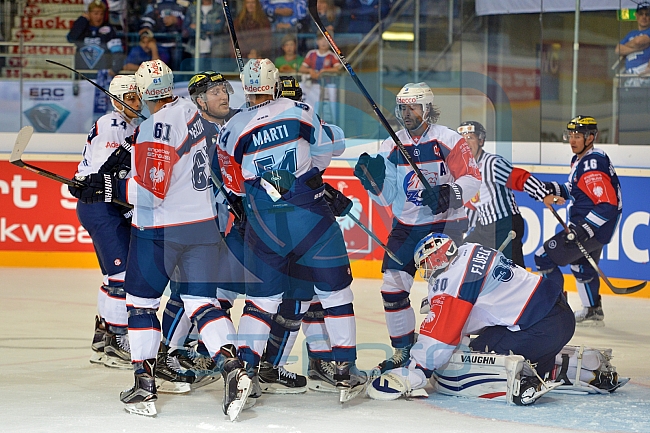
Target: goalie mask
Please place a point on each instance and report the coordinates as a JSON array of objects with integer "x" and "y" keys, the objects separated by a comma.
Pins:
[
  {"x": 416, "y": 94},
  {"x": 120, "y": 86},
  {"x": 433, "y": 254},
  {"x": 154, "y": 80},
  {"x": 290, "y": 88},
  {"x": 260, "y": 77}
]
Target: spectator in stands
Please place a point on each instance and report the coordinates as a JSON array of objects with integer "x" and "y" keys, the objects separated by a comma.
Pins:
[
  {"x": 289, "y": 63},
  {"x": 212, "y": 24},
  {"x": 253, "y": 30},
  {"x": 285, "y": 15},
  {"x": 165, "y": 19},
  {"x": 363, "y": 14},
  {"x": 319, "y": 63},
  {"x": 635, "y": 46},
  {"x": 329, "y": 14},
  {"x": 98, "y": 46},
  {"x": 146, "y": 50}
]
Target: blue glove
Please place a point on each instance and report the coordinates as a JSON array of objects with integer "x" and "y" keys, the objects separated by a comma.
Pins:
[
  {"x": 95, "y": 188},
  {"x": 372, "y": 178},
  {"x": 553, "y": 188},
  {"x": 338, "y": 203},
  {"x": 581, "y": 230},
  {"x": 119, "y": 161},
  {"x": 442, "y": 197}
]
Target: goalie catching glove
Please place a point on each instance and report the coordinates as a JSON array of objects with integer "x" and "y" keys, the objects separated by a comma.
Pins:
[
  {"x": 95, "y": 188},
  {"x": 442, "y": 197}
]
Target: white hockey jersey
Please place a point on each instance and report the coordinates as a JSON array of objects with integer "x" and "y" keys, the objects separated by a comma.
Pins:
[
  {"x": 482, "y": 288},
  {"x": 106, "y": 135},
  {"x": 170, "y": 165},
  {"x": 276, "y": 135},
  {"x": 443, "y": 156}
]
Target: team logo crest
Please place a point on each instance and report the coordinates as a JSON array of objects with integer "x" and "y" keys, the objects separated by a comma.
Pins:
[
  {"x": 117, "y": 262},
  {"x": 503, "y": 271},
  {"x": 412, "y": 185},
  {"x": 91, "y": 55},
  {"x": 157, "y": 175},
  {"x": 46, "y": 117}
]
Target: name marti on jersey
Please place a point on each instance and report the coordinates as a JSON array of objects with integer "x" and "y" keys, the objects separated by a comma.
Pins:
[{"x": 268, "y": 135}]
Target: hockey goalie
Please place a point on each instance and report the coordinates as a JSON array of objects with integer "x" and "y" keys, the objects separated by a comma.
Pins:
[{"x": 522, "y": 320}]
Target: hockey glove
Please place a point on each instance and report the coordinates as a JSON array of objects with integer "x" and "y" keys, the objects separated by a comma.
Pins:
[
  {"x": 442, "y": 197},
  {"x": 371, "y": 172},
  {"x": 582, "y": 231},
  {"x": 553, "y": 188},
  {"x": 119, "y": 162},
  {"x": 95, "y": 188},
  {"x": 236, "y": 208},
  {"x": 339, "y": 204}
]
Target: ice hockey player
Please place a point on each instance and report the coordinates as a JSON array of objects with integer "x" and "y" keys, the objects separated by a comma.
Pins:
[
  {"x": 495, "y": 203},
  {"x": 109, "y": 225},
  {"x": 594, "y": 188},
  {"x": 174, "y": 225},
  {"x": 477, "y": 290},
  {"x": 273, "y": 154},
  {"x": 447, "y": 163}
]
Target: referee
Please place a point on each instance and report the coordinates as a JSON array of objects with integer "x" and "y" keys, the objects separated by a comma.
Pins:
[{"x": 495, "y": 211}]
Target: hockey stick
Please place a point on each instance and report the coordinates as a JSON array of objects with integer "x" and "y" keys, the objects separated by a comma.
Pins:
[
  {"x": 233, "y": 35},
  {"x": 570, "y": 236},
  {"x": 510, "y": 237},
  {"x": 24, "y": 135},
  {"x": 106, "y": 92},
  {"x": 313, "y": 11}
]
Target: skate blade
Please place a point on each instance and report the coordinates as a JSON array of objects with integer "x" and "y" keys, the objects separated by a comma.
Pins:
[
  {"x": 281, "y": 389},
  {"x": 347, "y": 394},
  {"x": 147, "y": 408},
  {"x": 321, "y": 386},
  {"x": 112, "y": 362},
  {"x": 205, "y": 380},
  {"x": 97, "y": 358},
  {"x": 591, "y": 324},
  {"x": 245, "y": 385},
  {"x": 166, "y": 387}
]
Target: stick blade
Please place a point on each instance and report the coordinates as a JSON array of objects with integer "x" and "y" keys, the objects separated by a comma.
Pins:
[
  {"x": 24, "y": 135},
  {"x": 629, "y": 290}
]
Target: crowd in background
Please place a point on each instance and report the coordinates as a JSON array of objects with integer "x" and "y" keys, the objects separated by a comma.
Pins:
[{"x": 166, "y": 29}]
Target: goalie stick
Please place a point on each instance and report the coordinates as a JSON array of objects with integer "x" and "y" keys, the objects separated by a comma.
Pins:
[
  {"x": 313, "y": 11},
  {"x": 570, "y": 236},
  {"x": 22, "y": 140},
  {"x": 106, "y": 92}
]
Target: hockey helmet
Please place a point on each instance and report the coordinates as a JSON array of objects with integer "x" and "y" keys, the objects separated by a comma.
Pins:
[
  {"x": 433, "y": 253},
  {"x": 415, "y": 93},
  {"x": 260, "y": 77},
  {"x": 290, "y": 88},
  {"x": 472, "y": 127},
  {"x": 120, "y": 86},
  {"x": 155, "y": 80},
  {"x": 585, "y": 124},
  {"x": 202, "y": 82}
]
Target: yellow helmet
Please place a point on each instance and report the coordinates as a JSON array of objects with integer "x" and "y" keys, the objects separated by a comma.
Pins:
[{"x": 585, "y": 124}]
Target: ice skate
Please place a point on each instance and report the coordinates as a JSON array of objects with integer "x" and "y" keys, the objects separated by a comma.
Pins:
[
  {"x": 98, "y": 342},
  {"x": 140, "y": 399},
  {"x": 321, "y": 376},
  {"x": 350, "y": 381},
  {"x": 277, "y": 380},
  {"x": 399, "y": 358},
  {"x": 237, "y": 385},
  {"x": 171, "y": 376},
  {"x": 204, "y": 368},
  {"x": 117, "y": 351},
  {"x": 590, "y": 317},
  {"x": 608, "y": 380}
]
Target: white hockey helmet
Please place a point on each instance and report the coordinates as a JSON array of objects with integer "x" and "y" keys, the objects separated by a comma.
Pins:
[
  {"x": 416, "y": 93},
  {"x": 120, "y": 86},
  {"x": 433, "y": 253},
  {"x": 260, "y": 77},
  {"x": 154, "y": 80}
]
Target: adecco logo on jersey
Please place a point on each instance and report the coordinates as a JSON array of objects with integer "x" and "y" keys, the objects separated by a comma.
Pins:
[
  {"x": 256, "y": 89},
  {"x": 158, "y": 92}
]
